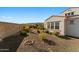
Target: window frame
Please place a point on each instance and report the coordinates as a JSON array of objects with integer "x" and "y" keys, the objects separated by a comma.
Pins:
[
  {"x": 69, "y": 14},
  {"x": 71, "y": 22},
  {"x": 72, "y": 13},
  {"x": 52, "y": 25},
  {"x": 58, "y": 25},
  {"x": 48, "y": 24}
]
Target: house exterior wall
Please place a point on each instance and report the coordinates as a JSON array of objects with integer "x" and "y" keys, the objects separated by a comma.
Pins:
[
  {"x": 75, "y": 10},
  {"x": 45, "y": 24},
  {"x": 61, "y": 25},
  {"x": 73, "y": 29},
  {"x": 65, "y": 27}
]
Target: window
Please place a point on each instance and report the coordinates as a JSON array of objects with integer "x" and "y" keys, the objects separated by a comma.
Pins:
[
  {"x": 48, "y": 25},
  {"x": 68, "y": 14},
  {"x": 65, "y": 14},
  {"x": 52, "y": 25},
  {"x": 71, "y": 21},
  {"x": 72, "y": 13},
  {"x": 56, "y": 24}
]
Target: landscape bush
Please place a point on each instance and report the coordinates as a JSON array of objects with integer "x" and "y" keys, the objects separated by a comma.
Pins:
[
  {"x": 40, "y": 27},
  {"x": 42, "y": 36},
  {"x": 33, "y": 26},
  {"x": 23, "y": 33},
  {"x": 56, "y": 33},
  {"x": 38, "y": 31},
  {"x": 46, "y": 31},
  {"x": 50, "y": 33},
  {"x": 26, "y": 29}
]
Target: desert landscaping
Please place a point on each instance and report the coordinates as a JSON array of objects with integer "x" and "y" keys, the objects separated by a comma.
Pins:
[
  {"x": 40, "y": 40},
  {"x": 34, "y": 38}
]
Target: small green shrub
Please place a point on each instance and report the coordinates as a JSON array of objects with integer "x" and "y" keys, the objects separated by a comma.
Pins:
[
  {"x": 46, "y": 31},
  {"x": 50, "y": 33},
  {"x": 40, "y": 26},
  {"x": 42, "y": 36},
  {"x": 23, "y": 33},
  {"x": 56, "y": 33},
  {"x": 26, "y": 30},
  {"x": 38, "y": 31}
]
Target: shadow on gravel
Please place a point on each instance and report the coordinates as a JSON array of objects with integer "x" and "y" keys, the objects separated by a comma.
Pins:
[
  {"x": 65, "y": 37},
  {"x": 68, "y": 37},
  {"x": 11, "y": 43},
  {"x": 49, "y": 42}
]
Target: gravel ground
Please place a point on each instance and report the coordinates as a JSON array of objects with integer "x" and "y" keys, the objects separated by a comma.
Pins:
[{"x": 59, "y": 45}]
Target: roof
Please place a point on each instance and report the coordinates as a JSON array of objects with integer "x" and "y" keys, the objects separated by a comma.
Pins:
[
  {"x": 61, "y": 16},
  {"x": 53, "y": 16},
  {"x": 69, "y": 8},
  {"x": 62, "y": 12}
]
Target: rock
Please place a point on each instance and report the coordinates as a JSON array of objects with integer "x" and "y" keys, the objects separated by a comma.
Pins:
[
  {"x": 1, "y": 40},
  {"x": 29, "y": 42}
]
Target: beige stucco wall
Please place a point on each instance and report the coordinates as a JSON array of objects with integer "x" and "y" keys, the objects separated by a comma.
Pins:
[
  {"x": 62, "y": 24},
  {"x": 7, "y": 29},
  {"x": 45, "y": 25},
  {"x": 65, "y": 27},
  {"x": 73, "y": 29},
  {"x": 75, "y": 10}
]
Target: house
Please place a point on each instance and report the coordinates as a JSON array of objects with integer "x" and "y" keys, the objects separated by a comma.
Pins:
[{"x": 66, "y": 24}]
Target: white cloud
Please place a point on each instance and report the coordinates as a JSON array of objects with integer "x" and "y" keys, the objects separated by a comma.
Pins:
[
  {"x": 8, "y": 19},
  {"x": 20, "y": 19}
]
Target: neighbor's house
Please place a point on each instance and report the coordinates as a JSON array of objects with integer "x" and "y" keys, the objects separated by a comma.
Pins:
[{"x": 66, "y": 24}]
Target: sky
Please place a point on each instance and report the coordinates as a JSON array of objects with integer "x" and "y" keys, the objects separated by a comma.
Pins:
[{"x": 28, "y": 14}]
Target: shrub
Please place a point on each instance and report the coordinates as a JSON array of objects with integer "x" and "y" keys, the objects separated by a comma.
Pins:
[
  {"x": 42, "y": 36},
  {"x": 50, "y": 33},
  {"x": 38, "y": 31},
  {"x": 26, "y": 29},
  {"x": 56, "y": 33},
  {"x": 33, "y": 26},
  {"x": 46, "y": 31},
  {"x": 40, "y": 26},
  {"x": 30, "y": 26},
  {"x": 23, "y": 33}
]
